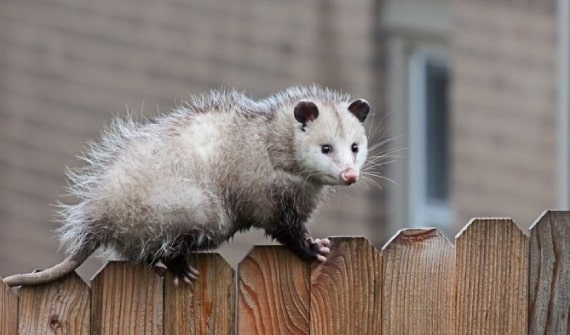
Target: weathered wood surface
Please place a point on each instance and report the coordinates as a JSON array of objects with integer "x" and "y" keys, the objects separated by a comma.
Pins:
[
  {"x": 61, "y": 307},
  {"x": 205, "y": 307},
  {"x": 495, "y": 281},
  {"x": 346, "y": 290},
  {"x": 8, "y": 311},
  {"x": 126, "y": 300},
  {"x": 492, "y": 278},
  {"x": 273, "y": 288},
  {"x": 549, "y": 296},
  {"x": 418, "y": 295}
]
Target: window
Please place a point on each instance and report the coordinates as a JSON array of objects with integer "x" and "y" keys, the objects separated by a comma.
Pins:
[{"x": 428, "y": 139}]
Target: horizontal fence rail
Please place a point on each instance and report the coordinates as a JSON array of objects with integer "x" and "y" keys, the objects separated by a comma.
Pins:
[{"x": 497, "y": 279}]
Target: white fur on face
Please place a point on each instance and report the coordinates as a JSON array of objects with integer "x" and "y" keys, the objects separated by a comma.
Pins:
[{"x": 339, "y": 129}]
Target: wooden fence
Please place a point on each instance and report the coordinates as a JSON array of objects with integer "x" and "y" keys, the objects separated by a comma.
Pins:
[{"x": 496, "y": 280}]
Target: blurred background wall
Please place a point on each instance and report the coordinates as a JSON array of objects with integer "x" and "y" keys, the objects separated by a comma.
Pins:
[
  {"x": 466, "y": 91},
  {"x": 473, "y": 91},
  {"x": 67, "y": 66}
]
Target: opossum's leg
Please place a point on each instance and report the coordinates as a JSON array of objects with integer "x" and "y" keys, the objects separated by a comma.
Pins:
[
  {"x": 293, "y": 234},
  {"x": 179, "y": 263}
]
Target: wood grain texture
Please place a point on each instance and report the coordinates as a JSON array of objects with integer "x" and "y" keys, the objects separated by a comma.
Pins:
[
  {"x": 346, "y": 289},
  {"x": 549, "y": 282},
  {"x": 127, "y": 299},
  {"x": 59, "y": 307},
  {"x": 273, "y": 288},
  {"x": 418, "y": 292},
  {"x": 492, "y": 278},
  {"x": 207, "y": 306},
  {"x": 8, "y": 311}
]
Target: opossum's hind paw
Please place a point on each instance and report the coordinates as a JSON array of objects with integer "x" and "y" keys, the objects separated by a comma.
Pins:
[
  {"x": 180, "y": 268},
  {"x": 189, "y": 275},
  {"x": 322, "y": 247}
]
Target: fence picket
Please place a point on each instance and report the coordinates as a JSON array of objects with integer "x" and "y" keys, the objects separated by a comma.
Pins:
[
  {"x": 492, "y": 278},
  {"x": 495, "y": 281},
  {"x": 8, "y": 311},
  {"x": 60, "y": 307},
  {"x": 418, "y": 295},
  {"x": 346, "y": 289},
  {"x": 549, "y": 296},
  {"x": 273, "y": 288},
  {"x": 206, "y": 306},
  {"x": 127, "y": 299}
]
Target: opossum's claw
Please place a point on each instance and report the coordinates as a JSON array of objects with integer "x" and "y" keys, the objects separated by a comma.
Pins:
[
  {"x": 191, "y": 274},
  {"x": 180, "y": 268},
  {"x": 160, "y": 268}
]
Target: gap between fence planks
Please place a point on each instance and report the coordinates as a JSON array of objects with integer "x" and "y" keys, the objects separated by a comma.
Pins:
[{"x": 493, "y": 282}]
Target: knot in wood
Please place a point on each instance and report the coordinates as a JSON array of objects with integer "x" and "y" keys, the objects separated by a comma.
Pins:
[{"x": 54, "y": 322}]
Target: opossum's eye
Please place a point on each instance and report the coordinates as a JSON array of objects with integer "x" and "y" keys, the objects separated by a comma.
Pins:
[
  {"x": 354, "y": 147},
  {"x": 325, "y": 149}
]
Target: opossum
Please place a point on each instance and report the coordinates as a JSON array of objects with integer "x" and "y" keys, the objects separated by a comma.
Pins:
[{"x": 155, "y": 191}]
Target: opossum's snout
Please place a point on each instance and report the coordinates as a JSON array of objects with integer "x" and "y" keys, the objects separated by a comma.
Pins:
[{"x": 349, "y": 176}]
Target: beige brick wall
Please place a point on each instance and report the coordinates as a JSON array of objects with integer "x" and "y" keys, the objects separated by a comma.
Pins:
[
  {"x": 504, "y": 143},
  {"x": 66, "y": 66}
]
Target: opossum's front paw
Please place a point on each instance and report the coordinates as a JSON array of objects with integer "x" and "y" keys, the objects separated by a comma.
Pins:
[
  {"x": 321, "y": 247},
  {"x": 180, "y": 268}
]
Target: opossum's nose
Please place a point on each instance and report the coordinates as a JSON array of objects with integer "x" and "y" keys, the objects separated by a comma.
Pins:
[{"x": 349, "y": 176}]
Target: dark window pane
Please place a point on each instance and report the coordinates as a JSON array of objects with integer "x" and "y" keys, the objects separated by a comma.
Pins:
[{"x": 437, "y": 174}]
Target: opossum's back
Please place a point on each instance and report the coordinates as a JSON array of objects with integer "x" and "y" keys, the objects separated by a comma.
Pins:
[
  {"x": 158, "y": 164},
  {"x": 153, "y": 194}
]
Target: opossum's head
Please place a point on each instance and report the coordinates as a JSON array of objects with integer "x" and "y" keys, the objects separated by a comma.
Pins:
[{"x": 330, "y": 141}]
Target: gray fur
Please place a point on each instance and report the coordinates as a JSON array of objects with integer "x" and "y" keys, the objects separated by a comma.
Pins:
[{"x": 189, "y": 180}]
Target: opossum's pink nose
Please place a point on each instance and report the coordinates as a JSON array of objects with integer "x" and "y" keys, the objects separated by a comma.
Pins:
[{"x": 349, "y": 176}]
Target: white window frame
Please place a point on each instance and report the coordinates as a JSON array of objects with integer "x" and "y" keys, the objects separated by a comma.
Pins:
[
  {"x": 564, "y": 104},
  {"x": 421, "y": 211}
]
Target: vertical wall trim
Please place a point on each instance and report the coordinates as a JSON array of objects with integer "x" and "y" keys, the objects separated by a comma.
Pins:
[{"x": 563, "y": 103}]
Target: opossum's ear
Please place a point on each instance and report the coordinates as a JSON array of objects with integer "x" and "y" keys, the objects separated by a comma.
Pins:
[
  {"x": 306, "y": 111},
  {"x": 360, "y": 109}
]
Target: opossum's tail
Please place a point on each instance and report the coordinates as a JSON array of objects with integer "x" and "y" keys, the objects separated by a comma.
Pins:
[{"x": 67, "y": 266}]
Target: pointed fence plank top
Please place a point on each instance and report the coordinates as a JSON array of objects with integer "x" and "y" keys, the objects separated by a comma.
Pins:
[
  {"x": 549, "y": 296},
  {"x": 206, "y": 306},
  {"x": 8, "y": 311},
  {"x": 492, "y": 278},
  {"x": 61, "y": 307},
  {"x": 419, "y": 284},
  {"x": 346, "y": 289},
  {"x": 496, "y": 280},
  {"x": 128, "y": 297},
  {"x": 273, "y": 289}
]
